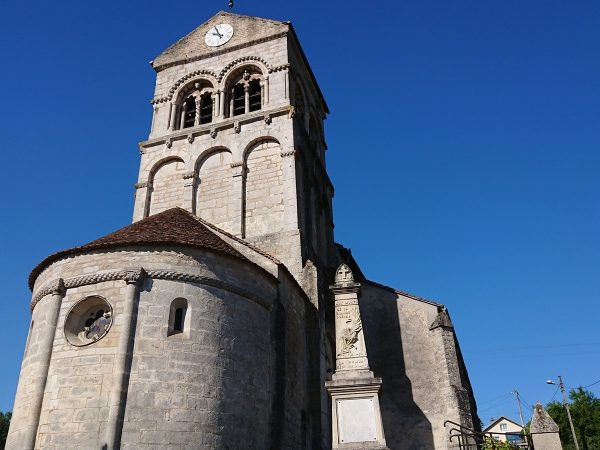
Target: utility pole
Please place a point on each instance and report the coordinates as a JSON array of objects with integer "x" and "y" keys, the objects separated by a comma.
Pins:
[
  {"x": 525, "y": 436},
  {"x": 566, "y": 403},
  {"x": 520, "y": 409}
]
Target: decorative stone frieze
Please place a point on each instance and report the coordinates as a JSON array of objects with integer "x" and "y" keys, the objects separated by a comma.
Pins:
[
  {"x": 288, "y": 153},
  {"x": 130, "y": 277}
]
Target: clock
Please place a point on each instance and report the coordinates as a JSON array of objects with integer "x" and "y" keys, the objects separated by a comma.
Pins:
[{"x": 218, "y": 35}]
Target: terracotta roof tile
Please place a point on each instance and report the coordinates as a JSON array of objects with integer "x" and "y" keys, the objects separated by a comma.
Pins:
[{"x": 174, "y": 226}]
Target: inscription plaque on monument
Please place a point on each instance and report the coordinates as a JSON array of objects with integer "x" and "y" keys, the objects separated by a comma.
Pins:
[{"x": 356, "y": 420}]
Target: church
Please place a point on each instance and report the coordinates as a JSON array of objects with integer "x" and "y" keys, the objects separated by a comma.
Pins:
[{"x": 226, "y": 316}]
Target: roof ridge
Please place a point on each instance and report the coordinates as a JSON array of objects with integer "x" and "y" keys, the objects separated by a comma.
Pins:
[
  {"x": 237, "y": 239},
  {"x": 406, "y": 294}
]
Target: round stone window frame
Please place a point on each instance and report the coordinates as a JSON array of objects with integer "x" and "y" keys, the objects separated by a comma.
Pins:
[{"x": 79, "y": 313}]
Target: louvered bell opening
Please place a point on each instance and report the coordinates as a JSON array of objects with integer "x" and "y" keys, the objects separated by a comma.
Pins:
[
  {"x": 239, "y": 100},
  {"x": 189, "y": 112},
  {"x": 206, "y": 109},
  {"x": 254, "y": 95}
]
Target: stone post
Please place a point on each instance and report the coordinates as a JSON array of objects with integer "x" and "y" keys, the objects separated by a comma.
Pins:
[
  {"x": 189, "y": 183},
  {"x": 27, "y": 437},
  {"x": 544, "y": 431},
  {"x": 290, "y": 199},
  {"x": 355, "y": 416},
  {"x": 116, "y": 411},
  {"x": 142, "y": 193}
]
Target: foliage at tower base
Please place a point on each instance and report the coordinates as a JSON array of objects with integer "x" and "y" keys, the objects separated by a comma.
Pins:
[
  {"x": 585, "y": 411},
  {"x": 4, "y": 424},
  {"x": 490, "y": 443}
]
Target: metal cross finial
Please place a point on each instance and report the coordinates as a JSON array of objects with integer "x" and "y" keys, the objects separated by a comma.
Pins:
[{"x": 230, "y": 4}]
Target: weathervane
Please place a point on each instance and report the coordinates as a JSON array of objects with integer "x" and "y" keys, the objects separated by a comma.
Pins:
[{"x": 230, "y": 4}]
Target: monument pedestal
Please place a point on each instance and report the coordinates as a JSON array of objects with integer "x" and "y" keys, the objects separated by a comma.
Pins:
[{"x": 355, "y": 416}]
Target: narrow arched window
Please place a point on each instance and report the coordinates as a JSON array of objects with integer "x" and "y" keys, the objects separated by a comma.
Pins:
[
  {"x": 206, "y": 108},
  {"x": 178, "y": 317},
  {"x": 189, "y": 112},
  {"x": 254, "y": 95},
  {"x": 178, "y": 322},
  {"x": 239, "y": 100}
]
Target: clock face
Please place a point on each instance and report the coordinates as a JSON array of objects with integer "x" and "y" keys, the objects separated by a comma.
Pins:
[{"x": 218, "y": 35}]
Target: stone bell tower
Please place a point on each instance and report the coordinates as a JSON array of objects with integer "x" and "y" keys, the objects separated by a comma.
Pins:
[{"x": 237, "y": 139}]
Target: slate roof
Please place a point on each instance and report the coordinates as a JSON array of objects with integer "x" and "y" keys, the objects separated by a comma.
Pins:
[{"x": 174, "y": 226}]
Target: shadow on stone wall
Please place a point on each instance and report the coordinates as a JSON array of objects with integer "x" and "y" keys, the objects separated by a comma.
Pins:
[{"x": 406, "y": 427}]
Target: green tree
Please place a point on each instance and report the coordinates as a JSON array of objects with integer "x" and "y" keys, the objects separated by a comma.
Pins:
[
  {"x": 4, "y": 423},
  {"x": 585, "y": 411}
]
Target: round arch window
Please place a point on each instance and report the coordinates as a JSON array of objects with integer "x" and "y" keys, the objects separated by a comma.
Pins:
[{"x": 88, "y": 321}]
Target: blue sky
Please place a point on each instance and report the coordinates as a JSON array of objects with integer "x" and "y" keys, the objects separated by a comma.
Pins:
[{"x": 463, "y": 145}]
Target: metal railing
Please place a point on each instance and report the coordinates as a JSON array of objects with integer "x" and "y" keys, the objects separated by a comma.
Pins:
[{"x": 466, "y": 438}]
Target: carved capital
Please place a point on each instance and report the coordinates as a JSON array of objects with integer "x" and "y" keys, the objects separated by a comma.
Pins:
[
  {"x": 238, "y": 169},
  {"x": 58, "y": 288},
  {"x": 142, "y": 184},
  {"x": 134, "y": 276}
]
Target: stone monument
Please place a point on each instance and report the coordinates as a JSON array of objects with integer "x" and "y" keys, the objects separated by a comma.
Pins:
[{"x": 354, "y": 390}]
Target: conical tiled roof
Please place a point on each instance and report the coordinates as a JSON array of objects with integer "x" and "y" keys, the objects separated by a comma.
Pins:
[{"x": 174, "y": 226}]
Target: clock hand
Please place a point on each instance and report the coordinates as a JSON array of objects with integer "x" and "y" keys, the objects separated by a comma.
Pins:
[{"x": 218, "y": 34}]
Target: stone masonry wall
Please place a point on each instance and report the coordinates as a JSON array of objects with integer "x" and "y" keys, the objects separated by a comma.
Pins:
[
  {"x": 206, "y": 389},
  {"x": 418, "y": 393},
  {"x": 215, "y": 190},
  {"x": 264, "y": 209},
  {"x": 206, "y": 383},
  {"x": 167, "y": 186},
  {"x": 75, "y": 406},
  {"x": 22, "y": 419}
]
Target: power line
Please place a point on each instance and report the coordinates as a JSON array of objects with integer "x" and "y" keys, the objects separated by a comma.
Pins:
[{"x": 495, "y": 398}]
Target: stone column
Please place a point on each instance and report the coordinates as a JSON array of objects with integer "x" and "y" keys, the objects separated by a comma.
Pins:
[
  {"x": 198, "y": 102},
  {"x": 182, "y": 118},
  {"x": 246, "y": 99},
  {"x": 222, "y": 104},
  {"x": 172, "y": 111},
  {"x": 266, "y": 91},
  {"x": 355, "y": 416},
  {"x": 26, "y": 437},
  {"x": 238, "y": 199},
  {"x": 216, "y": 96},
  {"x": 122, "y": 367}
]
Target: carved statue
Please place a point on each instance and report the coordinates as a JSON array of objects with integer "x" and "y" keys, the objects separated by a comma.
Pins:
[{"x": 350, "y": 335}]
